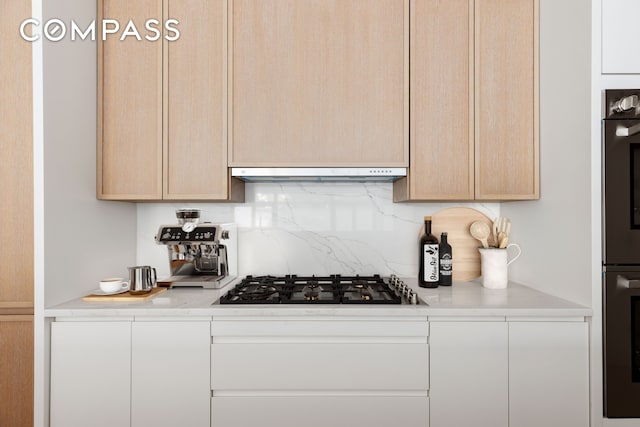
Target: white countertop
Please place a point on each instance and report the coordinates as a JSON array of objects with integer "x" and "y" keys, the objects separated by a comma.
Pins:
[{"x": 461, "y": 299}]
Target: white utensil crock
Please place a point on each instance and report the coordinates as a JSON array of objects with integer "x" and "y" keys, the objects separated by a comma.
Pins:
[{"x": 494, "y": 265}]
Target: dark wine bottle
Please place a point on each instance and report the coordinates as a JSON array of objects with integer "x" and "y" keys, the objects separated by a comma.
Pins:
[
  {"x": 446, "y": 261},
  {"x": 429, "y": 271}
]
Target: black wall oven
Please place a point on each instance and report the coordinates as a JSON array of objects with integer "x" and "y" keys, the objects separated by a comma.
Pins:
[{"x": 621, "y": 253}]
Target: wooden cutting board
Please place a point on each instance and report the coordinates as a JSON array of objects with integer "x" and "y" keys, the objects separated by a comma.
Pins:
[
  {"x": 456, "y": 222},
  {"x": 125, "y": 296}
]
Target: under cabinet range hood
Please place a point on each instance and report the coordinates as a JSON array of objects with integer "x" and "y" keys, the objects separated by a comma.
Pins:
[{"x": 319, "y": 174}]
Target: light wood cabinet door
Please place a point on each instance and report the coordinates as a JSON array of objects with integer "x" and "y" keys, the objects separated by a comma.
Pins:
[
  {"x": 441, "y": 124},
  {"x": 129, "y": 106},
  {"x": 319, "y": 82},
  {"x": 16, "y": 371},
  {"x": 170, "y": 359},
  {"x": 506, "y": 99},
  {"x": 16, "y": 172},
  {"x": 469, "y": 374},
  {"x": 195, "y": 137},
  {"x": 91, "y": 374},
  {"x": 474, "y": 101}
]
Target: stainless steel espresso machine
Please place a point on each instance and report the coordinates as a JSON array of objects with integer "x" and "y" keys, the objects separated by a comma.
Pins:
[{"x": 200, "y": 254}]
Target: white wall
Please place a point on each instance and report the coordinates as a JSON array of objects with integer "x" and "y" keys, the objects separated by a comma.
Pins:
[
  {"x": 554, "y": 232},
  {"x": 78, "y": 239},
  {"x": 85, "y": 239},
  {"x": 311, "y": 228}
]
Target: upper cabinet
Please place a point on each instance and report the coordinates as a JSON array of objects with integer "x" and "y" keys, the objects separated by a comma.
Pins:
[
  {"x": 16, "y": 173},
  {"x": 129, "y": 107},
  {"x": 620, "y": 33},
  {"x": 442, "y": 107},
  {"x": 446, "y": 88},
  {"x": 474, "y": 101},
  {"x": 319, "y": 82},
  {"x": 506, "y": 99},
  {"x": 162, "y": 116}
]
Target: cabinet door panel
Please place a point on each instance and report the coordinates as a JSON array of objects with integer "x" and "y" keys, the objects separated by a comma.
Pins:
[
  {"x": 196, "y": 101},
  {"x": 319, "y": 83},
  {"x": 506, "y": 96},
  {"x": 548, "y": 365},
  {"x": 313, "y": 411},
  {"x": 129, "y": 106},
  {"x": 338, "y": 365},
  {"x": 90, "y": 374},
  {"x": 16, "y": 173},
  {"x": 16, "y": 371},
  {"x": 468, "y": 374},
  {"x": 620, "y": 33},
  {"x": 441, "y": 100},
  {"x": 170, "y": 360}
]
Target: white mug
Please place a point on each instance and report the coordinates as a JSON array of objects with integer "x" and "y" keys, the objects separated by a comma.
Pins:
[
  {"x": 113, "y": 285},
  {"x": 494, "y": 266}
]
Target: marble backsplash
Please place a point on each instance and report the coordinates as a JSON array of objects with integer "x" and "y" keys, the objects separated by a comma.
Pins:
[{"x": 309, "y": 228}]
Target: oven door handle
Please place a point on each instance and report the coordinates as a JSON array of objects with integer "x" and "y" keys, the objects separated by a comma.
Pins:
[
  {"x": 628, "y": 131},
  {"x": 629, "y": 283}
]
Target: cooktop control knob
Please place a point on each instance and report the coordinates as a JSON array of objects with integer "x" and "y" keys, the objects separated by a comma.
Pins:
[{"x": 403, "y": 290}]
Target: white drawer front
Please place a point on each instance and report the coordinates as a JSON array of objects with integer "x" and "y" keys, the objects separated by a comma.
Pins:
[
  {"x": 318, "y": 328},
  {"x": 320, "y": 411},
  {"x": 330, "y": 364}
]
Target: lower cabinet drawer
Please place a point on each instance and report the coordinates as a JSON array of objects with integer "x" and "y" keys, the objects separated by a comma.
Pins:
[
  {"x": 348, "y": 364},
  {"x": 320, "y": 411}
]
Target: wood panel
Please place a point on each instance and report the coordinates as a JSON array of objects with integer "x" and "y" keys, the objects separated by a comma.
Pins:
[
  {"x": 16, "y": 146},
  {"x": 441, "y": 118},
  {"x": 129, "y": 106},
  {"x": 16, "y": 371},
  {"x": 195, "y": 162},
  {"x": 456, "y": 221},
  {"x": 506, "y": 94},
  {"x": 319, "y": 82},
  {"x": 124, "y": 297}
]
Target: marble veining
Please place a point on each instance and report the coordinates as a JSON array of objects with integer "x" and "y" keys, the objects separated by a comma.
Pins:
[{"x": 309, "y": 228}]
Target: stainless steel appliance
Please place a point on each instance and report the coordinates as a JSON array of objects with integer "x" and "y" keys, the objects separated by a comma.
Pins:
[
  {"x": 621, "y": 253},
  {"x": 333, "y": 289},
  {"x": 142, "y": 279},
  {"x": 200, "y": 254},
  {"x": 372, "y": 174}
]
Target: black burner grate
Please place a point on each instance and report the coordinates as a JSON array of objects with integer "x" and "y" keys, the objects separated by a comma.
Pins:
[{"x": 293, "y": 289}]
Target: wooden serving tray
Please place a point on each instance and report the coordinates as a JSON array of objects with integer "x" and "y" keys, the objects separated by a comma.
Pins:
[{"x": 125, "y": 296}]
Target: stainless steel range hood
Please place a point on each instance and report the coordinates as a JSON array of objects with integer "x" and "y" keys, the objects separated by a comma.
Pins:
[{"x": 318, "y": 174}]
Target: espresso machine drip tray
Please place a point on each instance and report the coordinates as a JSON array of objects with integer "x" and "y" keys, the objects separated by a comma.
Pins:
[{"x": 201, "y": 281}]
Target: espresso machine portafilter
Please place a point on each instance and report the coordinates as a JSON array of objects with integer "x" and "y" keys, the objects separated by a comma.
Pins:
[{"x": 200, "y": 254}]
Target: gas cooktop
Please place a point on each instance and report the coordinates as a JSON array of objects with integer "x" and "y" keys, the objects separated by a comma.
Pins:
[{"x": 332, "y": 289}]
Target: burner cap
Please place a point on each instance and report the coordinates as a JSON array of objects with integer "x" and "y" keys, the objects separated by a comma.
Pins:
[{"x": 311, "y": 296}]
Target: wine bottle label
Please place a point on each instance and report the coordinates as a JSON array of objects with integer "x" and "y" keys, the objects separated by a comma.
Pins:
[
  {"x": 431, "y": 273},
  {"x": 446, "y": 264}
]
